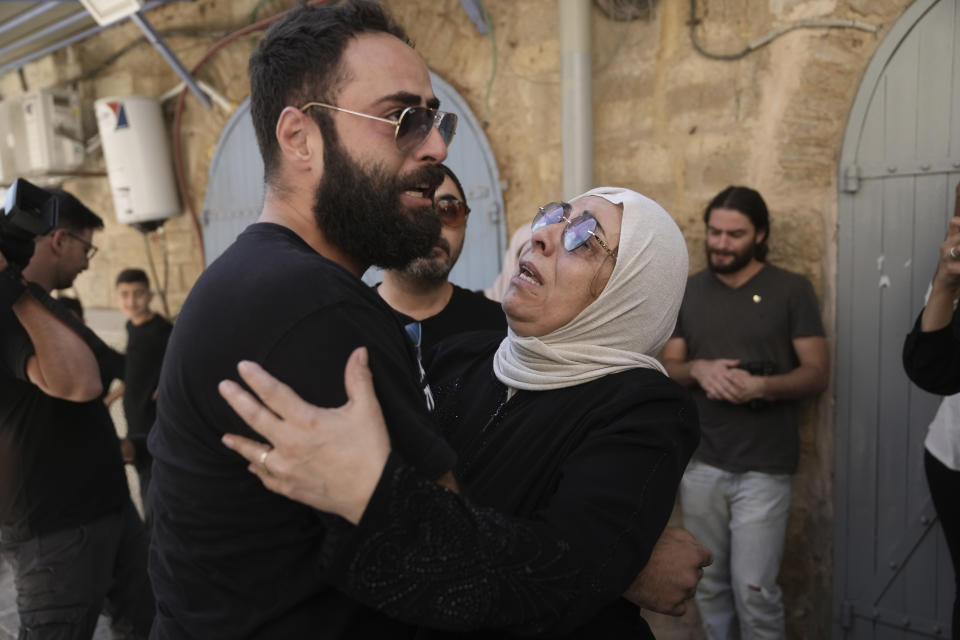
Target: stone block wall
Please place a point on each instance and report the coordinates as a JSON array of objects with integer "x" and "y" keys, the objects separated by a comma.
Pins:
[{"x": 667, "y": 121}]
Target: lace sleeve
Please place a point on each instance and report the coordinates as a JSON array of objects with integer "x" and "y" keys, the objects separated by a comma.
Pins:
[{"x": 426, "y": 555}]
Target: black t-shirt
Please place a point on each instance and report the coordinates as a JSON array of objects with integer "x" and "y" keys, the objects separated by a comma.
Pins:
[
  {"x": 145, "y": 346},
  {"x": 60, "y": 463},
  {"x": 563, "y": 495},
  {"x": 755, "y": 323},
  {"x": 466, "y": 311},
  {"x": 229, "y": 558}
]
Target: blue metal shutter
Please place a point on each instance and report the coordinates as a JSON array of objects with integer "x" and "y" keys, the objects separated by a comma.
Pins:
[{"x": 899, "y": 167}]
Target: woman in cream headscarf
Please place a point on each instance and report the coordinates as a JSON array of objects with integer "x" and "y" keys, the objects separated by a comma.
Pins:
[{"x": 571, "y": 442}]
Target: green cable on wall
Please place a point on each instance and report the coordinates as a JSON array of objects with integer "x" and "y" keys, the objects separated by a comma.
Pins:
[
  {"x": 493, "y": 47},
  {"x": 256, "y": 9}
]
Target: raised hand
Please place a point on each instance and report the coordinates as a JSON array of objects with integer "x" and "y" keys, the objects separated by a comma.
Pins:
[{"x": 329, "y": 459}]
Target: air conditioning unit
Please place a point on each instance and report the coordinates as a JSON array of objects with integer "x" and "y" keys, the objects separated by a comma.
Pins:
[{"x": 41, "y": 133}]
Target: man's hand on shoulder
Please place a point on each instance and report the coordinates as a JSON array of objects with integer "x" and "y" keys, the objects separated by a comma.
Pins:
[{"x": 670, "y": 576}]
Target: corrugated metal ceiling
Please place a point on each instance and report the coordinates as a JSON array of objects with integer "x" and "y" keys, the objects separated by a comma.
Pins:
[
  {"x": 29, "y": 30},
  {"x": 13, "y": 27}
]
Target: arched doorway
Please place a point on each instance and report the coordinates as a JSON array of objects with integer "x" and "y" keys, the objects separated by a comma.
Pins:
[
  {"x": 235, "y": 190},
  {"x": 899, "y": 167}
]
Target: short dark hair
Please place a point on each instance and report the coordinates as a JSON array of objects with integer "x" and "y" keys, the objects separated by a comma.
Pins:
[
  {"x": 748, "y": 202},
  {"x": 298, "y": 61},
  {"x": 133, "y": 276},
  {"x": 73, "y": 214},
  {"x": 449, "y": 172}
]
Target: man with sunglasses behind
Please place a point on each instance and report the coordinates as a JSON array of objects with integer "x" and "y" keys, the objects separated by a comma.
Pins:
[
  {"x": 422, "y": 293},
  {"x": 351, "y": 140}
]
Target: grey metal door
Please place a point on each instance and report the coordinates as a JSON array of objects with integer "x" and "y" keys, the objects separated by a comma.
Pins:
[
  {"x": 235, "y": 190},
  {"x": 899, "y": 167}
]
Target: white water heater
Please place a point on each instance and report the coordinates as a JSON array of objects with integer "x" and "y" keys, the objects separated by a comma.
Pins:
[{"x": 137, "y": 154}]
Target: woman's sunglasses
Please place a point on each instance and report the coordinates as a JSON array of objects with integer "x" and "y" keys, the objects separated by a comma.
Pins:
[
  {"x": 453, "y": 212},
  {"x": 577, "y": 231},
  {"x": 411, "y": 128}
]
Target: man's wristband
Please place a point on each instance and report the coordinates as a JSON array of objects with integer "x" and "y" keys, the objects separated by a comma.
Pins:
[{"x": 11, "y": 287}]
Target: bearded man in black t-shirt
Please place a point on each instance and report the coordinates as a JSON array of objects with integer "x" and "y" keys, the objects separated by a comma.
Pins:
[
  {"x": 422, "y": 293},
  {"x": 67, "y": 526},
  {"x": 347, "y": 125}
]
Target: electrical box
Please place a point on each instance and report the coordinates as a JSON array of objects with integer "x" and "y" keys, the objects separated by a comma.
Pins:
[
  {"x": 109, "y": 11},
  {"x": 41, "y": 133}
]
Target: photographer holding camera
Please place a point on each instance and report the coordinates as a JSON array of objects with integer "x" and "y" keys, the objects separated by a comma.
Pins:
[
  {"x": 67, "y": 526},
  {"x": 750, "y": 342}
]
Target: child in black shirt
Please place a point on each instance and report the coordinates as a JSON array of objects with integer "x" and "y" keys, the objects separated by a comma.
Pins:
[{"x": 147, "y": 335}]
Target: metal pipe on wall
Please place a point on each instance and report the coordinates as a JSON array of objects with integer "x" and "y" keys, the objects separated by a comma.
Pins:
[{"x": 577, "y": 96}]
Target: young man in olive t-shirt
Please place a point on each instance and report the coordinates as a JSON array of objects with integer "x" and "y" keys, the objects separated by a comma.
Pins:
[{"x": 750, "y": 344}]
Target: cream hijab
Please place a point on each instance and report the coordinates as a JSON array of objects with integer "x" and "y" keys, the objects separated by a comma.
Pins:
[{"x": 628, "y": 323}]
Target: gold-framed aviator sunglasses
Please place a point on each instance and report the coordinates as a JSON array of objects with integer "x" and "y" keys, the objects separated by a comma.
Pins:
[
  {"x": 576, "y": 232},
  {"x": 411, "y": 128}
]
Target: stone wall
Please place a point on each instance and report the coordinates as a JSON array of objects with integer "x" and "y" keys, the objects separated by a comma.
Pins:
[{"x": 667, "y": 121}]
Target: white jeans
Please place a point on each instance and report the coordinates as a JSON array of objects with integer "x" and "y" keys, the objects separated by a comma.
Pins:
[{"x": 742, "y": 519}]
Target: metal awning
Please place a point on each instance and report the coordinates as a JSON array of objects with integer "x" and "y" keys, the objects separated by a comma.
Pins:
[
  {"x": 30, "y": 27},
  {"x": 31, "y": 30}
]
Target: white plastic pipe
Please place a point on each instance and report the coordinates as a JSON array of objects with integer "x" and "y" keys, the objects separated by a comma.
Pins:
[{"x": 577, "y": 96}]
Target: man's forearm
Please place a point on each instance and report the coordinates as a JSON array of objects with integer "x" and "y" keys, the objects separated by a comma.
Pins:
[
  {"x": 805, "y": 380},
  {"x": 681, "y": 372},
  {"x": 65, "y": 367}
]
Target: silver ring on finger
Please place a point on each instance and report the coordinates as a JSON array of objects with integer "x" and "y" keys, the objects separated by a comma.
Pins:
[
  {"x": 263, "y": 459},
  {"x": 953, "y": 253}
]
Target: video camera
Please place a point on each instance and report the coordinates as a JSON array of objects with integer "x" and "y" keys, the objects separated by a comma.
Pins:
[
  {"x": 28, "y": 212},
  {"x": 758, "y": 368}
]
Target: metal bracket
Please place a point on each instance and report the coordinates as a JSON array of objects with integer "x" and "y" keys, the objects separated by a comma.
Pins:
[
  {"x": 158, "y": 42},
  {"x": 846, "y": 614},
  {"x": 917, "y": 625},
  {"x": 851, "y": 179},
  {"x": 917, "y": 527}
]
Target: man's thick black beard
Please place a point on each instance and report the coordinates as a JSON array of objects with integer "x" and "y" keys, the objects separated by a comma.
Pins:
[
  {"x": 359, "y": 211},
  {"x": 740, "y": 261}
]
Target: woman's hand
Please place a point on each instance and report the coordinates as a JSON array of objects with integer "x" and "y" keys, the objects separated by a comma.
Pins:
[
  {"x": 670, "y": 576},
  {"x": 329, "y": 459},
  {"x": 948, "y": 271}
]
